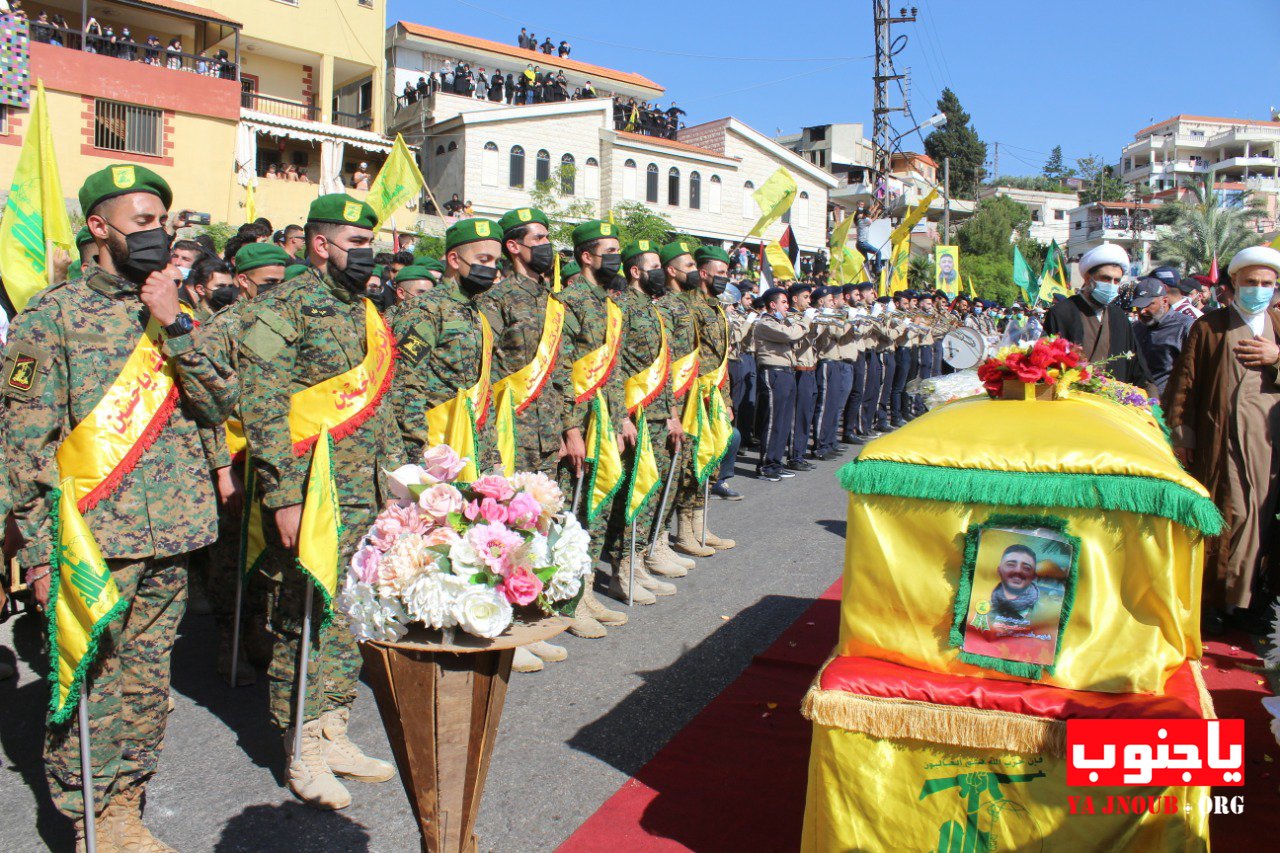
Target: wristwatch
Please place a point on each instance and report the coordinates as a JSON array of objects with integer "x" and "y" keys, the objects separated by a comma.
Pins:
[{"x": 179, "y": 327}]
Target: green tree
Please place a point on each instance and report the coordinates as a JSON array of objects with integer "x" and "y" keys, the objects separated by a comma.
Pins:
[
  {"x": 1054, "y": 169},
  {"x": 1101, "y": 184},
  {"x": 564, "y": 212},
  {"x": 637, "y": 221},
  {"x": 427, "y": 246},
  {"x": 958, "y": 140},
  {"x": 920, "y": 272},
  {"x": 1032, "y": 182},
  {"x": 1204, "y": 227},
  {"x": 988, "y": 231},
  {"x": 220, "y": 232}
]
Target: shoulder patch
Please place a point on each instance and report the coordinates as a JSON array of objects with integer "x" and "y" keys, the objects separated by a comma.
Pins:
[
  {"x": 317, "y": 311},
  {"x": 276, "y": 323},
  {"x": 261, "y": 341},
  {"x": 413, "y": 348},
  {"x": 24, "y": 371}
]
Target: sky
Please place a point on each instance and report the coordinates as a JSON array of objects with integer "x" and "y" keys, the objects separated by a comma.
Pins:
[{"x": 1084, "y": 74}]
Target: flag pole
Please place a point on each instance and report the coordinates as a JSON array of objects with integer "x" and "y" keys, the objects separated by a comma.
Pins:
[
  {"x": 235, "y": 626},
  {"x": 631, "y": 566},
  {"x": 577, "y": 489},
  {"x": 659, "y": 522},
  {"x": 706, "y": 498},
  {"x": 299, "y": 713},
  {"x": 86, "y": 775}
]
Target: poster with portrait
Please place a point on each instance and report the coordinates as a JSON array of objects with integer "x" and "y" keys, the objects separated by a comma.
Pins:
[
  {"x": 946, "y": 269},
  {"x": 1020, "y": 586}
]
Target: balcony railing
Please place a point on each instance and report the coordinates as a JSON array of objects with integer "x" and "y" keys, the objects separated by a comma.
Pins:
[
  {"x": 279, "y": 106},
  {"x": 130, "y": 51},
  {"x": 357, "y": 121}
]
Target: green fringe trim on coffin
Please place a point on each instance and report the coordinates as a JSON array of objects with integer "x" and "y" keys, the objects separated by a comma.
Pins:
[{"x": 1116, "y": 492}]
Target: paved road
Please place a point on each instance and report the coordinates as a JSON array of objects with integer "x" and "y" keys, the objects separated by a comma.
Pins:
[{"x": 570, "y": 735}]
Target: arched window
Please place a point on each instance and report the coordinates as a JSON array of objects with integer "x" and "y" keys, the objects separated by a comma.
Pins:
[
  {"x": 673, "y": 186},
  {"x": 802, "y": 209},
  {"x": 750, "y": 210},
  {"x": 713, "y": 194},
  {"x": 439, "y": 150},
  {"x": 453, "y": 146},
  {"x": 630, "y": 191},
  {"x": 517, "y": 167},
  {"x": 651, "y": 184},
  {"x": 568, "y": 175},
  {"x": 591, "y": 178},
  {"x": 489, "y": 165},
  {"x": 542, "y": 167},
  {"x": 695, "y": 191}
]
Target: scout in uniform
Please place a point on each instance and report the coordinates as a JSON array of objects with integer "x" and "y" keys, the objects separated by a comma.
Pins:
[
  {"x": 777, "y": 332},
  {"x": 595, "y": 409},
  {"x": 835, "y": 373},
  {"x": 416, "y": 279},
  {"x": 75, "y": 355},
  {"x": 799, "y": 297},
  {"x": 316, "y": 359}
]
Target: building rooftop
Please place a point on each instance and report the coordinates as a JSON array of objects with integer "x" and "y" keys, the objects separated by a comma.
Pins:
[
  {"x": 1218, "y": 119},
  {"x": 186, "y": 9},
  {"x": 531, "y": 56},
  {"x": 669, "y": 143}
]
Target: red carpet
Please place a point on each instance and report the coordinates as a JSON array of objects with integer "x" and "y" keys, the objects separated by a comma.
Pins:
[{"x": 734, "y": 777}]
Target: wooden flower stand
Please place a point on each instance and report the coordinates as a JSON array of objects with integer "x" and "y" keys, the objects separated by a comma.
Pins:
[
  {"x": 440, "y": 705},
  {"x": 1015, "y": 389}
]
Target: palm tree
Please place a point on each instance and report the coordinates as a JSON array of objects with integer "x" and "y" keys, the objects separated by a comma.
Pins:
[
  {"x": 1204, "y": 228},
  {"x": 920, "y": 274}
]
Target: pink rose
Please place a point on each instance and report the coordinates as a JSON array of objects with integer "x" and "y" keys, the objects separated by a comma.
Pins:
[
  {"x": 438, "y": 501},
  {"x": 442, "y": 464},
  {"x": 521, "y": 586},
  {"x": 365, "y": 562},
  {"x": 493, "y": 486},
  {"x": 395, "y": 521},
  {"x": 523, "y": 511},
  {"x": 471, "y": 510},
  {"x": 491, "y": 510},
  {"x": 443, "y": 535},
  {"x": 496, "y": 546}
]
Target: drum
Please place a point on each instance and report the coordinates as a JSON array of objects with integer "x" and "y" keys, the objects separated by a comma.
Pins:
[{"x": 964, "y": 348}]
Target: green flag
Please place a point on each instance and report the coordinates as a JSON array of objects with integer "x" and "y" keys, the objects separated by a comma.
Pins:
[
  {"x": 1053, "y": 279},
  {"x": 1022, "y": 277}
]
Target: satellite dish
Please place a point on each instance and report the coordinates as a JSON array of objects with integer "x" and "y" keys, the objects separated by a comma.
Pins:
[{"x": 964, "y": 348}]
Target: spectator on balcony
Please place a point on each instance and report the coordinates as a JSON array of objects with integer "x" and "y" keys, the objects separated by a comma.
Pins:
[
  {"x": 547, "y": 47},
  {"x": 272, "y": 172},
  {"x": 424, "y": 89},
  {"x": 588, "y": 91},
  {"x": 93, "y": 35},
  {"x": 409, "y": 96},
  {"x": 360, "y": 179},
  {"x": 128, "y": 47},
  {"x": 291, "y": 172},
  {"x": 482, "y": 85},
  {"x": 496, "y": 84},
  {"x": 454, "y": 206},
  {"x": 523, "y": 39},
  {"x": 533, "y": 41},
  {"x": 564, "y": 48},
  {"x": 173, "y": 51},
  {"x": 40, "y": 28},
  {"x": 152, "y": 53},
  {"x": 510, "y": 88},
  {"x": 468, "y": 210}
]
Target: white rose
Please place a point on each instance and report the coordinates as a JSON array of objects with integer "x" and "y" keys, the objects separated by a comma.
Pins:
[
  {"x": 464, "y": 560},
  {"x": 482, "y": 611},
  {"x": 429, "y": 602},
  {"x": 370, "y": 617},
  {"x": 407, "y": 482},
  {"x": 571, "y": 555}
]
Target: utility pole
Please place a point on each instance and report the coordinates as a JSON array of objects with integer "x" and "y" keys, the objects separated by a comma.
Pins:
[
  {"x": 996, "y": 165},
  {"x": 946, "y": 195},
  {"x": 885, "y": 73}
]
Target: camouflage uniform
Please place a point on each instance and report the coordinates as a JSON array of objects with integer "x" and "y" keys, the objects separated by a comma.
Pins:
[
  {"x": 682, "y": 338},
  {"x": 641, "y": 341},
  {"x": 516, "y": 309},
  {"x": 584, "y": 327},
  {"x": 710, "y": 321},
  {"x": 65, "y": 350},
  {"x": 302, "y": 332},
  {"x": 440, "y": 343}
]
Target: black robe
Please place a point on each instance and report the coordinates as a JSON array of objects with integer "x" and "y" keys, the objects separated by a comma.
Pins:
[{"x": 1066, "y": 319}]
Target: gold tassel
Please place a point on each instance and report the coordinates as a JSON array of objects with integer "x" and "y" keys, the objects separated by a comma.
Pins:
[{"x": 1206, "y": 701}]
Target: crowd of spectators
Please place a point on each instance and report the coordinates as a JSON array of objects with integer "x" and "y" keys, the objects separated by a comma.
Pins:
[
  {"x": 649, "y": 119},
  {"x": 529, "y": 41},
  {"x": 531, "y": 86}
]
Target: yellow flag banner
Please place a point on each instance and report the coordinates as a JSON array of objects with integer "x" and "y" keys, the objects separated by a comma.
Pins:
[
  {"x": 607, "y": 471},
  {"x": 320, "y": 532},
  {"x": 250, "y": 203},
  {"x": 399, "y": 181},
  {"x": 972, "y": 293},
  {"x": 782, "y": 269},
  {"x": 901, "y": 265},
  {"x": 774, "y": 198},
  {"x": 852, "y": 268},
  {"x": 645, "y": 478},
  {"x": 454, "y": 423},
  {"x": 840, "y": 235},
  {"x": 35, "y": 214},
  {"x": 883, "y": 288},
  {"x": 946, "y": 269},
  {"x": 909, "y": 221},
  {"x": 717, "y": 432},
  {"x": 83, "y": 601},
  {"x": 555, "y": 276},
  {"x": 693, "y": 419},
  {"x": 504, "y": 425}
]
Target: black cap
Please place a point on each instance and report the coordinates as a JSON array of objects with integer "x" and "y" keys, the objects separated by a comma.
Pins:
[
  {"x": 1149, "y": 289},
  {"x": 1166, "y": 274}
]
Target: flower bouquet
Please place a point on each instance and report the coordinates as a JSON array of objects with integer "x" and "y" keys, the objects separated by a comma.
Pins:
[
  {"x": 1103, "y": 385},
  {"x": 1049, "y": 361},
  {"x": 463, "y": 555}
]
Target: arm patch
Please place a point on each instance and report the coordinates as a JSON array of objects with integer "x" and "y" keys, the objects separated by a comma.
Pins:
[{"x": 24, "y": 370}]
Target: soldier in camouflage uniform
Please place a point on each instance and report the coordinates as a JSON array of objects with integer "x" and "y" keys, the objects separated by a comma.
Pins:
[
  {"x": 306, "y": 330},
  {"x": 642, "y": 340},
  {"x": 596, "y": 250},
  {"x": 441, "y": 342},
  {"x": 65, "y": 350},
  {"x": 516, "y": 308}
]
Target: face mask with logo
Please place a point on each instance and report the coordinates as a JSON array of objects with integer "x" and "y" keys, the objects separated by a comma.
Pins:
[
  {"x": 478, "y": 279},
  {"x": 541, "y": 258},
  {"x": 1105, "y": 294},
  {"x": 654, "y": 282},
  {"x": 359, "y": 267},
  {"x": 146, "y": 252},
  {"x": 1254, "y": 300}
]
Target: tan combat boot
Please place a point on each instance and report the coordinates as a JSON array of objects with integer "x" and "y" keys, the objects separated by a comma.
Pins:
[
  {"x": 549, "y": 652},
  {"x": 121, "y": 825},
  {"x": 656, "y": 562},
  {"x": 345, "y": 758},
  {"x": 583, "y": 624},
  {"x": 648, "y": 581},
  {"x": 104, "y": 836},
  {"x": 526, "y": 661},
  {"x": 622, "y": 583},
  {"x": 310, "y": 777},
  {"x": 687, "y": 542},
  {"x": 713, "y": 541},
  {"x": 599, "y": 612},
  {"x": 662, "y": 549}
]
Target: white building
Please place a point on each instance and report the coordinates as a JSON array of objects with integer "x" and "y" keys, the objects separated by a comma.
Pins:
[
  {"x": 1050, "y": 212},
  {"x": 1128, "y": 224},
  {"x": 1165, "y": 155}
]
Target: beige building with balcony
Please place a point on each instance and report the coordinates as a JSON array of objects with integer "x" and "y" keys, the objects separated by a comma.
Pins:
[
  {"x": 1238, "y": 151},
  {"x": 1128, "y": 224}
]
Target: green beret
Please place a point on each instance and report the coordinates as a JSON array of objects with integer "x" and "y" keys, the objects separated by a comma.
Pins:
[
  {"x": 471, "y": 231},
  {"x": 522, "y": 216},
  {"x": 671, "y": 251},
  {"x": 705, "y": 254},
  {"x": 294, "y": 270},
  {"x": 122, "y": 179},
  {"x": 639, "y": 247},
  {"x": 379, "y": 270},
  {"x": 254, "y": 255},
  {"x": 83, "y": 236},
  {"x": 593, "y": 230},
  {"x": 433, "y": 264},
  {"x": 569, "y": 270},
  {"x": 342, "y": 209},
  {"x": 414, "y": 272}
]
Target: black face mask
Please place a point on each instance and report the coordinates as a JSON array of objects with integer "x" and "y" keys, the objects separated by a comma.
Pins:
[
  {"x": 718, "y": 284},
  {"x": 691, "y": 279},
  {"x": 223, "y": 296},
  {"x": 147, "y": 252},
  {"x": 617, "y": 283},
  {"x": 542, "y": 258},
  {"x": 654, "y": 282},
  {"x": 478, "y": 279},
  {"x": 355, "y": 276},
  {"x": 609, "y": 266}
]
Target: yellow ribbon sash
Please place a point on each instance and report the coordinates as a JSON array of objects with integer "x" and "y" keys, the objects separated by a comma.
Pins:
[
  {"x": 643, "y": 388},
  {"x": 683, "y": 371},
  {"x": 236, "y": 442},
  {"x": 105, "y": 446},
  {"x": 513, "y": 393},
  {"x": 456, "y": 421},
  {"x": 342, "y": 403},
  {"x": 593, "y": 369}
]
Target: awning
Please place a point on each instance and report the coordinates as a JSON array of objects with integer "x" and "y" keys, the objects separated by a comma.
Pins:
[
  {"x": 186, "y": 10},
  {"x": 312, "y": 131}
]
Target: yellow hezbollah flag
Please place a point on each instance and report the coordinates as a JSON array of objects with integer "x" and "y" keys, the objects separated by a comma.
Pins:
[
  {"x": 782, "y": 269},
  {"x": 645, "y": 478},
  {"x": 455, "y": 424},
  {"x": 883, "y": 289},
  {"x": 909, "y": 221},
  {"x": 839, "y": 235},
  {"x": 83, "y": 600},
  {"x": 1053, "y": 279},
  {"x": 852, "y": 267},
  {"x": 774, "y": 198},
  {"x": 399, "y": 181},
  {"x": 973, "y": 293},
  {"x": 320, "y": 530},
  {"x": 253, "y": 541},
  {"x": 717, "y": 432},
  {"x": 250, "y": 204},
  {"x": 35, "y": 214},
  {"x": 607, "y": 472},
  {"x": 901, "y": 264},
  {"x": 555, "y": 277}
]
